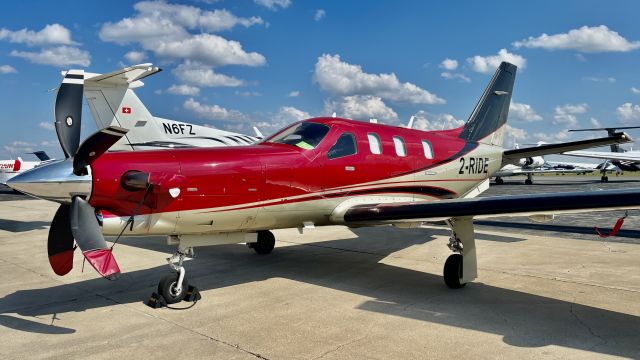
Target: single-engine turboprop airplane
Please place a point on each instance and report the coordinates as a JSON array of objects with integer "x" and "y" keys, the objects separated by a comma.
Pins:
[{"x": 322, "y": 171}]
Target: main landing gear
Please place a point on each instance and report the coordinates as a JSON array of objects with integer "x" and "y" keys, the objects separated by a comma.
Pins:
[
  {"x": 461, "y": 267},
  {"x": 264, "y": 245},
  {"x": 529, "y": 180},
  {"x": 604, "y": 178},
  {"x": 499, "y": 180}
]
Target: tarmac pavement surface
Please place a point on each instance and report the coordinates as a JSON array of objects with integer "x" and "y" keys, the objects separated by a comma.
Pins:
[{"x": 335, "y": 293}]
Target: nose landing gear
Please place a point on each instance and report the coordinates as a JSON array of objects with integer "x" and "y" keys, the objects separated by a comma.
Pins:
[{"x": 174, "y": 287}]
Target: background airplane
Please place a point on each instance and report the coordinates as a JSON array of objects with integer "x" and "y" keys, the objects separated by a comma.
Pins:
[
  {"x": 539, "y": 165},
  {"x": 113, "y": 102},
  {"x": 11, "y": 168},
  {"x": 621, "y": 158},
  {"x": 323, "y": 171}
]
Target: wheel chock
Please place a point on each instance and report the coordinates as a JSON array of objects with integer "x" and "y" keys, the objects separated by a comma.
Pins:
[
  {"x": 193, "y": 294},
  {"x": 156, "y": 301}
]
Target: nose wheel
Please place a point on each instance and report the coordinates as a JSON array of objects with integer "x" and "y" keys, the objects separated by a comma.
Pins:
[
  {"x": 174, "y": 288},
  {"x": 171, "y": 289}
]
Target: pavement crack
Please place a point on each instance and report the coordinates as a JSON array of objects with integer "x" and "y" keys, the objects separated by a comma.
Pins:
[
  {"x": 586, "y": 326},
  {"x": 340, "y": 347}
]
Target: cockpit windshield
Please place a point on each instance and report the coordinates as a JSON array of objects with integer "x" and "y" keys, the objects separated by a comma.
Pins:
[{"x": 305, "y": 135}]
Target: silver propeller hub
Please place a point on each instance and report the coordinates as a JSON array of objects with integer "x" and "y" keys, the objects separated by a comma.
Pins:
[{"x": 53, "y": 182}]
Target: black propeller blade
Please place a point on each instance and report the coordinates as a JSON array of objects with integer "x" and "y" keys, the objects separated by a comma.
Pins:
[
  {"x": 88, "y": 235},
  {"x": 94, "y": 146},
  {"x": 68, "y": 111},
  {"x": 60, "y": 243}
]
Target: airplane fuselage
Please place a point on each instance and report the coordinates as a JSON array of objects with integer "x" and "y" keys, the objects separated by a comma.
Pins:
[{"x": 275, "y": 185}]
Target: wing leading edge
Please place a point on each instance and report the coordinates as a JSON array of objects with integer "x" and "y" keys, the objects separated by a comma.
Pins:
[{"x": 568, "y": 202}]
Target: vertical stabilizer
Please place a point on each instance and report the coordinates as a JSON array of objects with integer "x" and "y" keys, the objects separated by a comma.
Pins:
[{"x": 487, "y": 121}]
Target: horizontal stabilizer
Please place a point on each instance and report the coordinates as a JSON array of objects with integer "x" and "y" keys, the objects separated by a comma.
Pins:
[
  {"x": 516, "y": 154},
  {"x": 127, "y": 75}
]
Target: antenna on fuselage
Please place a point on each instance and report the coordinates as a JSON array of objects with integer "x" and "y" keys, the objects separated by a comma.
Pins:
[
  {"x": 373, "y": 120},
  {"x": 410, "y": 124},
  {"x": 333, "y": 115}
]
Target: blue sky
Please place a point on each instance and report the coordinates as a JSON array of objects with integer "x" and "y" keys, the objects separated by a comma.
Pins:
[{"x": 233, "y": 64}]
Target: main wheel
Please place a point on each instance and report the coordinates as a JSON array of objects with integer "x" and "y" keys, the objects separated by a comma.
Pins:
[
  {"x": 168, "y": 288},
  {"x": 499, "y": 181},
  {"x": 453, "y": 271},
  {"x": 528, "y": 182},
  {"x": 604, "y": 179},
  {"x": 266, "y": 242}
]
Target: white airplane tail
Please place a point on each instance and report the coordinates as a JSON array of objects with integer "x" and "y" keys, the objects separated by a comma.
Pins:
[{"x": 112, "y": 101}]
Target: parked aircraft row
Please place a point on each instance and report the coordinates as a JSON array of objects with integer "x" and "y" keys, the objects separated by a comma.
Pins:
[{"x": 346, "y": 173}]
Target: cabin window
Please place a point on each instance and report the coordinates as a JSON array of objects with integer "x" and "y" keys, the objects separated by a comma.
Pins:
[
  {"x": 374, "y": 143},
  {"x": 305, "y": 135},
  {"x": 401, "y": 149},
  {"x": 345, "y": 146},
  {"x": 428, "y": 150}
]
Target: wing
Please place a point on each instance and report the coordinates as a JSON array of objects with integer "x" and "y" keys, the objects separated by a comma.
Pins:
[
  {"x": 517, "y": 205},
  {"x": 607, "y": 155},
  {"x": 511, "y": 156}
]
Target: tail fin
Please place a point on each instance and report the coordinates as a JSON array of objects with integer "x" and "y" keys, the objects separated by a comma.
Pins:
[
  {"x": 486, "y": 123},
  {"x": 113, "y": 103},
  {"x": 41, "y": 155}
]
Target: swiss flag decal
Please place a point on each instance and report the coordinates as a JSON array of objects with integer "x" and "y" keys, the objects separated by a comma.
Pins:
[{"x": 126, "y": 110}]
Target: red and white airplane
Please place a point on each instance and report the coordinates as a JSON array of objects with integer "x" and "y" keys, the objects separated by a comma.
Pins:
[
  {"x": 11, "y": 168},
  {"x": 322, "y": 171}
]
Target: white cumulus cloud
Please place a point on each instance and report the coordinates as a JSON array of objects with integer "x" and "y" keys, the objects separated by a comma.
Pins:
[
  {"x": 449, "y": 64},
  {"x": 201, "y": 75},
  {"x": 183, "y": 90},
  {"x": 319, "y": 15},
  {"x": 360, "y": 107},
  {"x": 7, "y": 69},
  {"x": 53, "y": 34},
  {"x": 273, "y": 4},
  {"x": 566, "y": 114},
  {"x": 455, "y": 76},
  {"x": 135, "y": 57},
  {"x": 427, "y": 122},
  {"x": 294, "y": 93},
  {"x": 344, "y": 79},
  {"x": 47, "y": 125},
  {"x": 487, "y": 64},
  {"x": 635, "y": 90},
  {"x": 628, "y": 112},
  {"x": 56, "y": 56},
  {"x": 524, "y": 112},
  {"x": 213, "y": 112},
  {"x": 585, "y": 39}
]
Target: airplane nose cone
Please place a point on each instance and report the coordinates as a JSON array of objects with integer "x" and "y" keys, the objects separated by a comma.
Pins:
[{"x": 54, "y": 182}]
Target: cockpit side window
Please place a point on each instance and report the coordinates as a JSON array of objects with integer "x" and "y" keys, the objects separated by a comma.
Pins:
[
  {"x": 305, "y": 135},
  {"x": 345, "y": 146}
]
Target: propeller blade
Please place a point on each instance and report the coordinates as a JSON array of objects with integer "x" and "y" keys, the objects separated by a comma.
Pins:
[
  {"x": 68, "y": 111},
  {"x": 94, "y": 146},
  {"x": 88, "y": 235},
  {"x": 60, "y": 242}
]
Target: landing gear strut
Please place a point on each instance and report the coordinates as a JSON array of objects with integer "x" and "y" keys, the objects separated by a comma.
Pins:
[
  {"x": 174, "y": 287},
  {"x": 529, "y": 180},
  {"x": 461, "y": 267}
]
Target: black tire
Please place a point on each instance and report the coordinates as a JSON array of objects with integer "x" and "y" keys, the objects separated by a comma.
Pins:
[
  {"x": 499, "y": 181},
  {"x": 528, "y": 182},
  {"x": 167, "y": 285},
  {"x": 453, "y": 271},
  {"x": 266, "y": 242}
]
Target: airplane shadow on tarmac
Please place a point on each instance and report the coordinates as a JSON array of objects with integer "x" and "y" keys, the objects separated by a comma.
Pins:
[
  {"x": 353, "y": 265},
  {"x": 16, "y": 226}
]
